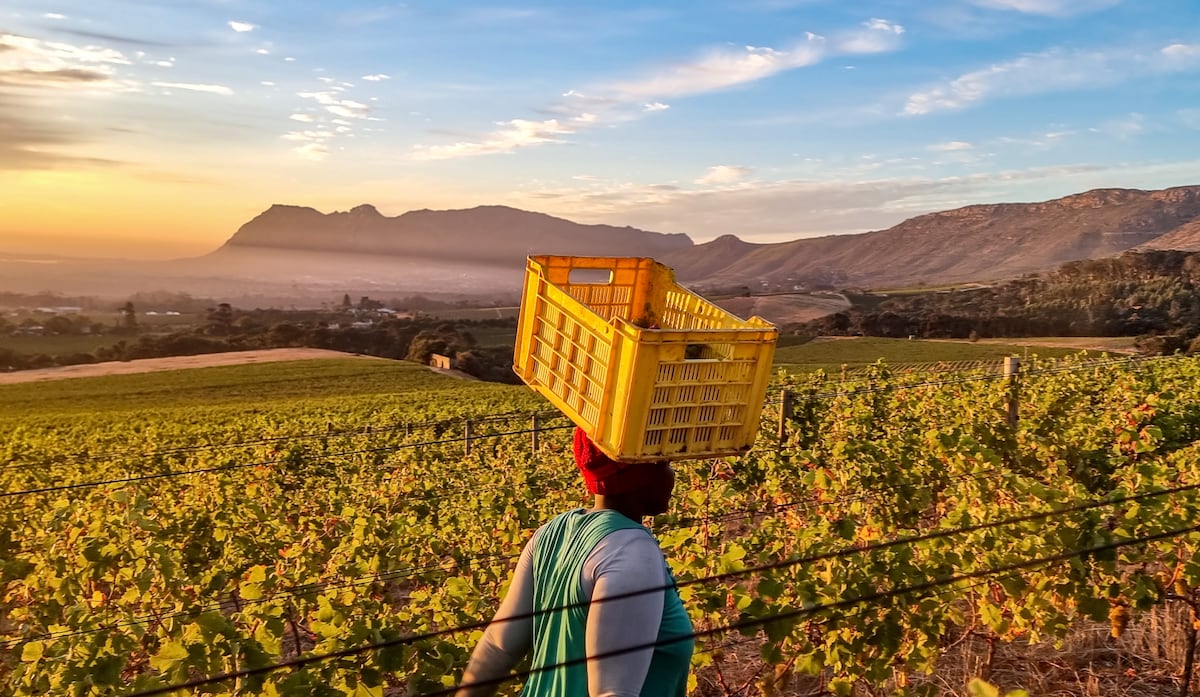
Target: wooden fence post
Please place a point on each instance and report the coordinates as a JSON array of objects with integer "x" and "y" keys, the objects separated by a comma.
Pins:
[
  {"x": 467, "y": 437},
  {"x": 534, "y": 433},
  {"x": 1012, "y": 370},
  {"x": 785, "y": 415}
]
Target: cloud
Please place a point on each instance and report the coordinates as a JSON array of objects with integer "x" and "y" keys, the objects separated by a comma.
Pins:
[
  {"x": 50, "y": 55},
  {"x": 64, "y": 76},
  {"x": 32, "y": 62},
  {"x": 1182, "y": 51},
  {"x": 952, "y": 146},
  {"x": 792, "y": 209},
  {"x": 1048, "y": 8},
  {"x": 54, "y": 15},
  {"x": 723, "y": 68},
  {"x": 313, "y": 151},
  {"x": 1123, "y": 129},
  {"x": 337, "y": 106},
  {"x": 376, "y": 77},
  {"x": 242, "y": 27},
  {"x": 194, "y": 87},
  {"x": 884, "y": 26},
  {"x": 718, "y": 69},
  {"x": 1050, "y": 71},
  {"x": 114, "y": 38},
  {"x": 34, "y": 143},
  {"x": 516, "y": 134},
  {"x": 303, "y": 118},
  {"x": 724, "y": 174}
]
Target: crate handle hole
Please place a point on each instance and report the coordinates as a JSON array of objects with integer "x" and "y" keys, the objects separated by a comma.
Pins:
[{"x": 590, "y": 276}]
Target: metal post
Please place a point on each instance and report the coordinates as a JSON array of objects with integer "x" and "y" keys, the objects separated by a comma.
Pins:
[
  {"x": 467, "y": 437},
  {"x": 785, "y": 415},
  {"x": 534, "y": 433},
  {"x": 1012, "y": 370}
]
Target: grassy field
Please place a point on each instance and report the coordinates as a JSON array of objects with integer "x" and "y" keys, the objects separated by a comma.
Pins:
[
  {"x": 856, "y": 352},
  {"x": 475, "y": 313},
  {"x": 56, "y": 345},
  {"x": 244, "y": 385},
  {"x": 494, "y": 336}
]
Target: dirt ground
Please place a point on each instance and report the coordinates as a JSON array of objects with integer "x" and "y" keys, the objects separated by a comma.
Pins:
[{"x": 150, "y": 365}]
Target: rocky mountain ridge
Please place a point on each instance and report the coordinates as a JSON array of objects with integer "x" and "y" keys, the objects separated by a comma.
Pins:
[{"x": 982, "y": 242}]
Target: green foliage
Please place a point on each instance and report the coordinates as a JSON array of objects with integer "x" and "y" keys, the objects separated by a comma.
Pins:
[
  {"x": 337, "y": 538},
  {"x": 1147, "y": 292}
]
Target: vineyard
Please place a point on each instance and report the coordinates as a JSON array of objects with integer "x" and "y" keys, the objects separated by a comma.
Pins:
[{"x": 347, "y": 528}]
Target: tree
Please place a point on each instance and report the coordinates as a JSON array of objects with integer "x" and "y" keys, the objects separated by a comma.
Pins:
[
  {"x": 128, "y": 319},
  {"x": 220, "y": 320}
]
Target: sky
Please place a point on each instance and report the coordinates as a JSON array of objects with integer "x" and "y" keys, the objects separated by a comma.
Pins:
[{"x": 155, "y": 128}]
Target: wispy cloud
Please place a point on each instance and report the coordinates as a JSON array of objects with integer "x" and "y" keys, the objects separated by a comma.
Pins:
[
  {"x": 768, "y": 211},
  {"x": 36, "y": 144},
  {"x": 1051, "y": 71},
  {"x": 313, "y": 151},
  {"x": 952, "y": 146},
  {"x": 195, "y": 87},
  {"x": 724, "y": 174},
  {"x": 45, "y": 78},
  {"x": 722, "y": 69},
  {"x": 332, "y": 120},
  {"x": 32, "y": 62},
  {"x": 1132, "y": 125},
  {"x": 1049, "y": 8},
  {"x": 242, "y": 27},
  {"x": 625, "y": 99},
  {"x": 1181, "y": 51},
  {"x": 377, "y": 77},
  {"x": 514, "y": 134},
  {"x": 37, "y": 54},
  {"x": 333, "y": 102}
]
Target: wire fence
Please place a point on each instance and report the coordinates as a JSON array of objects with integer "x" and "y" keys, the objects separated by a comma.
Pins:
[
  {"x": 962, "y": 376},
  {"x": 876, "y": 598}
]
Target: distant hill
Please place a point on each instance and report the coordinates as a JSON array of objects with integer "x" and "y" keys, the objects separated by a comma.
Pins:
[
  {"x": 487, "y": 234},
  {"x": 1185, "y": 238},
  {"x": 1134, "y": 293},
  {"x": 974, "y": 243}
]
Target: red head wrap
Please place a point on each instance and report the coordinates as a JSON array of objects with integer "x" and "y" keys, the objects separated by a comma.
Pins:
[{"x": 605, "y": 475}]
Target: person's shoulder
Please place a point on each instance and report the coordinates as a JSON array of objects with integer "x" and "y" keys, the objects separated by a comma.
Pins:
[{"x": 558, "y": 520}]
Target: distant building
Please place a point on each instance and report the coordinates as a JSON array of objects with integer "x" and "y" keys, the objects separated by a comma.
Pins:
[{"x": 437, "y": 360}]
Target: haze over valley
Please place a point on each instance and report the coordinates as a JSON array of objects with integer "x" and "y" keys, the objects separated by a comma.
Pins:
[{"x": 295, "y": 255}]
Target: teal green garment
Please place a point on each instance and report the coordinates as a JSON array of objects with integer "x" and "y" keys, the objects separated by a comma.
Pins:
[{"x": 559, "y": 553}]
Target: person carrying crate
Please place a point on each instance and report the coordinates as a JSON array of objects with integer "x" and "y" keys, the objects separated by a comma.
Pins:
[{"x": 639, "y": 643}]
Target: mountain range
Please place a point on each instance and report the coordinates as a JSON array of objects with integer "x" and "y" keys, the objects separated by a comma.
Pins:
[
  {"x": 297, "y": 255},
  {"x": 979, "y": 243}
]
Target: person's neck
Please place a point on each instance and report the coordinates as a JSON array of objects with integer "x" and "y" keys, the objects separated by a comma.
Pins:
[{"x": 627, "y": 508}]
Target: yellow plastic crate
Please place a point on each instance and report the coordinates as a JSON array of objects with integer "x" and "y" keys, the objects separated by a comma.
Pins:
[{"x": 650, "y": 370}]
